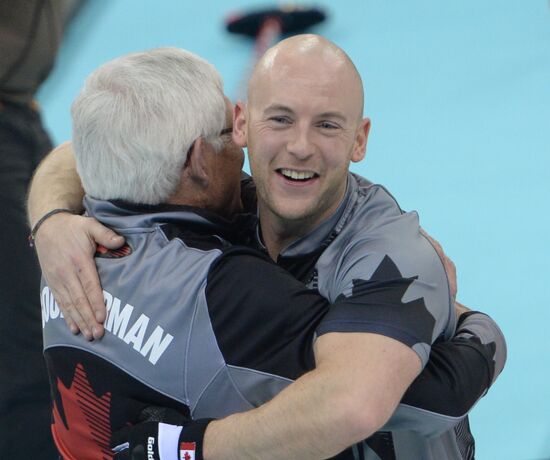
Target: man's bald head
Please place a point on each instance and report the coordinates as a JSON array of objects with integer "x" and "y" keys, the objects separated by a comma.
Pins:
[
  {"x": 303, "y": 125},
  {"x": 314, "y": 55}
]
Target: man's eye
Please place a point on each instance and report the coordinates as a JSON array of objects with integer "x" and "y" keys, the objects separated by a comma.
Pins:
[
  {"x": 328, "y": 125},
  {"x": 280, "y": 120}
]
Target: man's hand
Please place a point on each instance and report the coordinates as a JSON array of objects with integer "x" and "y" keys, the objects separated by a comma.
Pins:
[
  {"x": 460, "y": 309},
  {"x": 143, "y": 442},
  {"x": 65, "y": 245},
  {"x": 162, "y": 434}
]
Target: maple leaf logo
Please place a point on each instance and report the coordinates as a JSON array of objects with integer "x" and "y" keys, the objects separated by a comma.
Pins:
[
  {"x": 383, "y": 295},
  {"x": 81, "y": 427}
]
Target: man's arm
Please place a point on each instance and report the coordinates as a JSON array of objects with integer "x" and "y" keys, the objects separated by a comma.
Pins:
[
  {"x": 66, "y": 242},
  {"x": 356, "y": 386},
  {"x": 55, "y": 184},
  {"x": 458, "y": 374}
]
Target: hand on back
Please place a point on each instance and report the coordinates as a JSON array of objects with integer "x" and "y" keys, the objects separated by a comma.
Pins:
[{"x": 65, "y": 245}]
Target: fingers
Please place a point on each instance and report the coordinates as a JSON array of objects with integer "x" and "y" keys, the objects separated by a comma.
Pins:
[
  {"x": 460, "y": 309},
  {"x": 65, "y": 248},
  {"x": 87, "y": 294},
  {"x": 70, "y": 297},
  {"x": 104, "y": 236},
  {"x": 89, "y": 278}
]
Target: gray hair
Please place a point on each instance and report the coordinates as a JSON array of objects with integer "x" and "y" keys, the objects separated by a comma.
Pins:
[{"x": 136, "y": 118}]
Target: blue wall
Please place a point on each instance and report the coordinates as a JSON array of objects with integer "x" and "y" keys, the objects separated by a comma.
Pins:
[{"x": 459, "y": 96}]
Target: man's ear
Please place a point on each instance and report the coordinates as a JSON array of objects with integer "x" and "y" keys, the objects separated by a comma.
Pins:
[
  {"x": 360, "y": 148},
  {"x": 239, "y": 124},
  {"x": 196, "y": 164}
]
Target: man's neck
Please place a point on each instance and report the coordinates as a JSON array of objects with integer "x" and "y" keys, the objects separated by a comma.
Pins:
[
  {"x": 274, "y": 238},
  {"x": 278, "y": 233}
]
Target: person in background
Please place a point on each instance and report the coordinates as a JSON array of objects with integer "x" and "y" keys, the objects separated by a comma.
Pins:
[{"x": 30, "y": 34}]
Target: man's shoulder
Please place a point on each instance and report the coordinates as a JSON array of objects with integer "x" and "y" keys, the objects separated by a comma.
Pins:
[
  {"x": 374, "y": 218},
  {"x": 374, "y": 229},
  {"x": 379, "y": 243}
]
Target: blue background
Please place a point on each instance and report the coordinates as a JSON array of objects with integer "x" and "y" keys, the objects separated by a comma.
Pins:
[{"x": 459, "y": 97}]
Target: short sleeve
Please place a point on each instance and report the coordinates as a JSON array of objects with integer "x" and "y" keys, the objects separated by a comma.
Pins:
[{"x": 388, "y": 280}]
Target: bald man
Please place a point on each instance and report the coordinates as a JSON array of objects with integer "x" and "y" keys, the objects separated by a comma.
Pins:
[
  {"x": 303, "y": 125},
  {"x": 338, "y": 233}
]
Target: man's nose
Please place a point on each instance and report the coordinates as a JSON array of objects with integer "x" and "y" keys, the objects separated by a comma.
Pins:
[{"x": 300, "y": 144}]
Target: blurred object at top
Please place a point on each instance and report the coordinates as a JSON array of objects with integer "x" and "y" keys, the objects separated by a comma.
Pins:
[
  {"x": 30, "y": 34},
  {"x": 267, "y": 26},
  {"x": 291, "y": 19}
]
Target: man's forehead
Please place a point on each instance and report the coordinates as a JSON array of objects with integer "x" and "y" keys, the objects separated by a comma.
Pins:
[
  {"x": 304, "y": 93},
  {"x": 319, "y": 66},
  {"x": 302, "y": 106}
]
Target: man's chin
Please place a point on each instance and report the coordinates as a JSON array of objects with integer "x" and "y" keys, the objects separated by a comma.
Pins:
[{"x": 294, "y": 214}]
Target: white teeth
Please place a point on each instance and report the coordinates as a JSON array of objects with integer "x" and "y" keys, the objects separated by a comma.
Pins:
[{"x": 297, "y": 175}]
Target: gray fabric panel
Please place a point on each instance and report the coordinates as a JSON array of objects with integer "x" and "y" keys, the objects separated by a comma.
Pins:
[
  {"x": 420, "y": 421},
  {"x": 236, "y": 389},
  {"x": 143, "y": 293},
  {"x": 422, "y": 350},
  {"x": 220, "y": 399},
  {"x": 366, "y": 452},
  {"x": 110, "y": 215},
  {"x": 483, "y": 326},
  {"x": 410, "y": 446},
  {"x": 257, "y": 387},
  {"x": 205, "y": 364},
  {"x": 115, "y": 350},
  {"x": 374, "y": 227}
]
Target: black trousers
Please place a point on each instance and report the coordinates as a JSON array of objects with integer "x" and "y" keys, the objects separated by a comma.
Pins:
[{"x": 24, "y": 388}]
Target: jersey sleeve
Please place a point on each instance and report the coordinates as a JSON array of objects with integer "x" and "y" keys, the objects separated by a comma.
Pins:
[
  {"x": 459, "y": 372},
  {"x": 389, "y": 281}
]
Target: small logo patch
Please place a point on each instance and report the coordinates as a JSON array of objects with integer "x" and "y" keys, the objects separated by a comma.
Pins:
[
  {"x": 187, "y": 450},
  {"x": 103, "y": 252}
]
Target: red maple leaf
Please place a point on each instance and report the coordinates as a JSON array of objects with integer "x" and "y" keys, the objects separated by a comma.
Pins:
[{"x": 87, "y": 433}]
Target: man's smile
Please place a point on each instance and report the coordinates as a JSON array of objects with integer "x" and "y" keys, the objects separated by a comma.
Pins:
[{"x": 297, "y": 176}]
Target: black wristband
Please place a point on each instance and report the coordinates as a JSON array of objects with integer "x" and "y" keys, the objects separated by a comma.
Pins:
[
  {"x": 192, "y": 437},
  {"x": 32, "y": 235}
]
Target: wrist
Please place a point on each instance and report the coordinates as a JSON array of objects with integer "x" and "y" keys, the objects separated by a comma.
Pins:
[
  {"x": 44, "y": 218},
  {"x": 191, "y": 439}
]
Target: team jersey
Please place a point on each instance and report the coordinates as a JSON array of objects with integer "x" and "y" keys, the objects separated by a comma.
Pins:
[
  {"x": 193, "y": 323},
  {"x": 383, "y": 276},
  {"x": 210, "y": 328}
]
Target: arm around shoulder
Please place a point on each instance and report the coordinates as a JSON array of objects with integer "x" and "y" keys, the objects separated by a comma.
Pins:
[
  {"x": 66, "y": 243},
  {"x": 358, "y": 382},
  {"x": 460, "y": 371},
  {"x": 55, "y": 184}
]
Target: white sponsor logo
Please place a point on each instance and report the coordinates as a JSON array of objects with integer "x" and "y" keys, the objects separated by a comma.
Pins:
[
  {"x": 150, "y": 448},
  {"x": 50, "y": 309},
  {"x": 119, "y": 322}
]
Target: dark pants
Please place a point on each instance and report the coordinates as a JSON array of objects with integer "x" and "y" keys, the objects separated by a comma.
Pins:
[{"x": 24, "y": 389}]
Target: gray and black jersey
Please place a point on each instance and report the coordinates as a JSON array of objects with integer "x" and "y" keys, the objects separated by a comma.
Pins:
[
  {"x": 210, "y": 328},
  {"x": 193, "y": 322},
  {"x": 383, "y": 276}
]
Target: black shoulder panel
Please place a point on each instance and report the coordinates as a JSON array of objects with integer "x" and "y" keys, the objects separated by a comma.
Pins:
[{"x": 262, "y": 317}]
